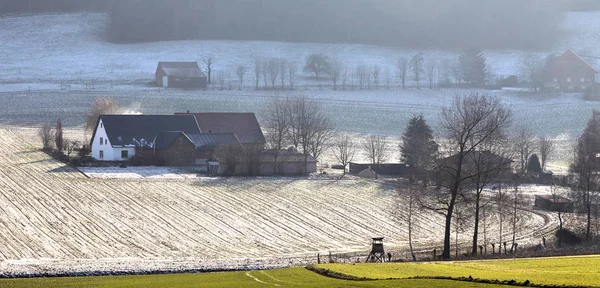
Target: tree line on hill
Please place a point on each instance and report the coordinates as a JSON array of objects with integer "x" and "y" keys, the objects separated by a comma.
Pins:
[{"x": 491, "y": 24}]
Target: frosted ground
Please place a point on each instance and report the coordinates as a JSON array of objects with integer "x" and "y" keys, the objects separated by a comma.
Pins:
[
  {"x": 41, "y": 52},
  {"x": 54, "y": 220}
]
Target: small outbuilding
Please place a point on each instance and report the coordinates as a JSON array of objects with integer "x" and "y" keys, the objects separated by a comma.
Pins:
[
  {"x": 180, "y": 75},
  {"x": 548, "y": 203},
  {"x": 367, "y": 173}
]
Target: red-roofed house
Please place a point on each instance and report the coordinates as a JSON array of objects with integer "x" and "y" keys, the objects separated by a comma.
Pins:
[{"x": 569, "y": 73}]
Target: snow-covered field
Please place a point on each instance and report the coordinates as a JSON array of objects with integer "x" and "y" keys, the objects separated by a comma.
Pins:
[
  {"x": 54, "y": 220},
  {"x": 41, "y": 52}
]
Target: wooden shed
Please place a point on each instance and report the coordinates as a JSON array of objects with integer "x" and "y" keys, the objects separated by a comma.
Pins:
[{"x": 180, "y": 75}]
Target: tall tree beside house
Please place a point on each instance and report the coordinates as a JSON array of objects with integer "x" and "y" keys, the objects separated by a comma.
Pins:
[
  {"x": 58, "y": 137},
  {"x": 277, "y": 123},
  {"x": 344, "y": 150},
  {"x": 586, "y": 166},
  {"x": 473, "y": 67},
  {"x": 418, "y": 149}
]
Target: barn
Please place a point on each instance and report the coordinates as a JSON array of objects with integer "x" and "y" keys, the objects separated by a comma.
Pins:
[
  {"x": 569, "y": 73},
  {"x": 180, "y": 75},
  {"x": 244, "y": 125}
]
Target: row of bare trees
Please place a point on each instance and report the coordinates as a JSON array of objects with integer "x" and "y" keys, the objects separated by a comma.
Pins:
[{"x": 298, "y": 121}]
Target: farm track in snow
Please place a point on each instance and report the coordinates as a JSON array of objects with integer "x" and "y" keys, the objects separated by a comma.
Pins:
[{"x": 55, "y": 220}]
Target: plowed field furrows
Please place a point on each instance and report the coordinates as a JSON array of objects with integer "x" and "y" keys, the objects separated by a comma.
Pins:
[{"x": 53, "y": 213}]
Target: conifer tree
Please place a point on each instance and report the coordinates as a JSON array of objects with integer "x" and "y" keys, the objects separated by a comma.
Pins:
[
  {"x": 418, "y": 148},
  {"x": 474, "y": 71}
]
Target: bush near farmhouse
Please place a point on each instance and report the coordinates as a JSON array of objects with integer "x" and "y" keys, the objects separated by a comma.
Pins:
[{"x": 533, "y": 165}]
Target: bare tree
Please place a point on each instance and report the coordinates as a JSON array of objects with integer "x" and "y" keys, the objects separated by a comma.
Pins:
[
  {"x": 431, "y": 72},
  {"x": 45, "y": 133},
  {"x": 241, "y": 72},
  {"x": 524, "y": 143},
  {"x": 503, "y": 203},
  {"x": 586, "y": 166},
  {"x": 518, "y": 201},
  {"x": 416, "y": 67},
  {"x": 292, "y": 71},
  {"x": 408, "y": 210},
  {"x": 316, "y": 63},
  {"x": 388, "y": 77},
  {"x": 457, "y": 73},
  {"x": 344, "y": 150},
  {"x": 265, "y": 72},
  {"x": 306, "y": 122},
  {"x": 273, "y": 68},
  {"x": 547, "y": 148},
  {"x": 491, "y": 163},
  {"x": 70, "y": 146},
  {"x": 257, "y": 71},
  {"x": 376, "y": 148},
  {"x": 402, "y": 70},
  {"x": 376, "y": 71},
  {"x": 558, "y": 206},
  {"x": 277, "y": 123},
  {"x": 471, "y": 121},
  {"x": 58, "y": 137},
  {"x": 362, "y": 73},
  {"x": 446, "y": 72},
  {"x": 344, "y": 79},
  {"x": 282, "y": 70},
  {"x": 230, "y": 155},
  {"x": 208, "y": 64},
  {"x": 100, "y": 106},
  {"x": 334, "y": 70}
]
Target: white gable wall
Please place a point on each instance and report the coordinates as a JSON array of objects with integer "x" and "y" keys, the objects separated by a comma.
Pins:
[{"x": 110, "y": 153}]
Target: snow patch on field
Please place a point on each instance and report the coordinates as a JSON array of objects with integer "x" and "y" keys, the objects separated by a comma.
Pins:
[{"x": 139, "y": 172}]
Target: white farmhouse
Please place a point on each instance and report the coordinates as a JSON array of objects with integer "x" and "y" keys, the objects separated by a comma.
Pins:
[{"x": 120, "y": 137}]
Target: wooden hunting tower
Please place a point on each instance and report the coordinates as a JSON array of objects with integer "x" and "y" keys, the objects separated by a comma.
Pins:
[{"x": 377, "y": 254}]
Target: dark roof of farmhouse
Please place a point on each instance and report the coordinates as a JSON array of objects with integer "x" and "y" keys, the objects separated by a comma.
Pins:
[
  {"x": 141, "y": 130},
  {"x": 181, "y": 69},
  {"x": 164, "y": 139},
  {"x": 211, "y": 140},
  {"x": 243, "y": 125}
]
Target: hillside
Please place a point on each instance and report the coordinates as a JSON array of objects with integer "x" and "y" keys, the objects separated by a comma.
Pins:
[{"x": 56, "y": 220}]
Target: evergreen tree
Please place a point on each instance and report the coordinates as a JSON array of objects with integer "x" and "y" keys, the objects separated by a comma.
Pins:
[
  {"x": 418, "y": 149},
  {"x": 474, "y": 71},
  {"x": 533, "y": 165}
]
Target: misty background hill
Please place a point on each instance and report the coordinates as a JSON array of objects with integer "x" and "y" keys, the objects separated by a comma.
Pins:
[{"x": 456, "y": 24}]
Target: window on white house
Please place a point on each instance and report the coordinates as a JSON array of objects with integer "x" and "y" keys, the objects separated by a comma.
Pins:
[
  {"x": 582, "y": 79},
  {"x": 124, "y": 154},
  {"x": 100, "y": 125},
  {"x": 569, "y": 79},
  {"x": 106, "y": 141},
  {"x": 101, "y": 140},
  {"x": 101, "y": 154}
]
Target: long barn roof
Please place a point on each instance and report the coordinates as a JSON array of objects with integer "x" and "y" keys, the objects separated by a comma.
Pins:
[{"x": 141, "y": 130}]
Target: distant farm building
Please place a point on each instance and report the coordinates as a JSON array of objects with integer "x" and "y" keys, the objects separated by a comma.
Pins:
[
  {"x": 569, "y": 73},
  {"x": 387, "y": 169},
  {"x": 549, "y": 203},
  {"x": 179, "y": 140},
  {"x": 180, "y": 75}
]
